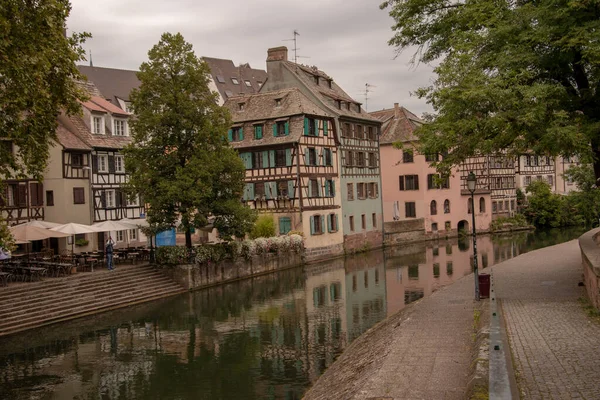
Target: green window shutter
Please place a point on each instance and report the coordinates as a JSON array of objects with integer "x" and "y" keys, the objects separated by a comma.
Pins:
[
  {"x": 305, "y": 126},
  {"x": 323, "y": 223},
  {"x": 325, "y": 127},
  {"x": 312, "y": 225},
  {"x": 241, "y": 134},
  {"x": 329, "y": 227},
  {"x": 265, "y": 159},
  {"x": 316, "y": 127},
  {"x": 319, "y": 190},
  {"x": 230, "y": 135},
  {"x": 306, "y": 157},
  {"x": 287, "y": 128},
  {"x": 336, "y": 223},
  {"x": 275, "y": 129},
  {"x": 281, "y": 226},
  {"x": 310, "y": 194},
  {"x": 249, "y": 191},
  {"x": 327, "y": 189},
  {"x": 272, "y": 158},
  {"x": 285, "y": 225},
  {"x": 270, "y": 190},
  {"x": 288, "y": 157},
  {"x": 332, "y": 189},
  {"x": 291, "y": 193},
  {"x": 258, "y": 132},
  {"x": 246, "y": 157}
]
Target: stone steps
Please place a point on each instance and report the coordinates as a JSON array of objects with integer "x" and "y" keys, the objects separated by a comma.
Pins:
[{"x": 31, "y": 305}]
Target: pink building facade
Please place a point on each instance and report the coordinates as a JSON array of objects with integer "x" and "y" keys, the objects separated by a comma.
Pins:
[{"x": 412, "y": 189}]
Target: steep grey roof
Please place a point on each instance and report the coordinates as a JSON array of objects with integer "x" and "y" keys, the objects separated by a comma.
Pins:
[
  {"x": 111, "y": 82},
  {"x": 222, "y": 72},
  {"x": 399, "y": 124},
  {"x": 263, "y": 108},
  {"x": 328, "y": 95}
]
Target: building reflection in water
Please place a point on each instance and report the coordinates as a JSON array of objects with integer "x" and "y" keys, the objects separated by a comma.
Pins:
[{"x": 266, "y": 338}]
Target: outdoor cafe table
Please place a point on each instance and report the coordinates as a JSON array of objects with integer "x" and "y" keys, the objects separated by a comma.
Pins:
[{"x": 56, "y": 268}]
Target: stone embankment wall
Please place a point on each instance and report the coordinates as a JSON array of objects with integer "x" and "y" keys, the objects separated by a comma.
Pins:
[
  {"x": 589, "y": 243},
  {"x": 397, "y": 232},
  {"x": 362, "y": 241},
  {"x": 192, "y": 276},
  {"x": 323, "y": 253}
]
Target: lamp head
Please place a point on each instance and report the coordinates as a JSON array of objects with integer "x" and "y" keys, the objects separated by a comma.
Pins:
[{"x": 471, "y": 182}]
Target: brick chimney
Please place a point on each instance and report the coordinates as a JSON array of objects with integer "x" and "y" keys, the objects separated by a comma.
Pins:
[
  {"x": 396, "y": 110},
  {"x": 277, "y": 54}
]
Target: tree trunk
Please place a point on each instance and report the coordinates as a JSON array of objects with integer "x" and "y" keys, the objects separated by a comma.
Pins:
[{"x": 188, "y": 237}]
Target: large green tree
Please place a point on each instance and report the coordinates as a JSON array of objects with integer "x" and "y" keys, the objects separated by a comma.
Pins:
[
  {"x": 37, "y": 80},
  {"x": 180, "y": 161},
  {"x": 512, "y": 75}
]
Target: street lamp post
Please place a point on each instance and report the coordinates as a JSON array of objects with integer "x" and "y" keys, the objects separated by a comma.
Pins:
[{"x": 471, "y": 185}]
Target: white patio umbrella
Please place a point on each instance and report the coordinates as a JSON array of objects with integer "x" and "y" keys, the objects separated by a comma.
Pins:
[
  {"x": 73, "y": 229},
  {"x": 108, "y": 226},
  {"x": 41, "y": 224},
  {"x": 26, "y": 233},
  {"x": 134, "y": 223}
]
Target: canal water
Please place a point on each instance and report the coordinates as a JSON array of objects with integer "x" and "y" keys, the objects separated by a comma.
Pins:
[{"x": 265, "y": 338}]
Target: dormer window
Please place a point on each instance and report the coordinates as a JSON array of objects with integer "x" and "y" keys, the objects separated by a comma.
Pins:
[
  {"x": 235, "y": 81},
  {"x": 358, "y": 108},
  {"x": 241, "y": 106},
  {"x": 317, "y": 80},
  {"x": 259, "y": 83},
  {"x": 329, "y": 81},
  {"x": 348, "y": 106},
  {"x": 98, "y": 125},
  {"x": 278, "y": 102},
  {"x": 339, "y": 104},
  {"x": 248, "y": 83},
  {"x": 119, "y": 127}
]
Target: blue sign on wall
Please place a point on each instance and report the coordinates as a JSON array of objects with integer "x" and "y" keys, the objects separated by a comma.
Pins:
[{"x": 166, "y": 238}]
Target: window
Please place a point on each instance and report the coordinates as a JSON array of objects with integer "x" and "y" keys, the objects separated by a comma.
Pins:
[
  {"x": 449, "y": 268},
  {"x": 12, "y": 195},
  {"x": 481, "y": 205},
  {"x": 259, "y": 190},
  {"x": 220, "y": 79},
  {"x": 133, "y": 234},
  {"x": 314, "y": 188},
  {"x": 494, "y": 207},
  {"x": 548, "y": 161},
  {"x": 235, "y": 81},
  {"x": 350, "y": 189},
  {"x": 408, "y": 156},
  {"x": 434, "y": 227},
  {"x": 499, "y": 206},
  {"x": 469, "y": 206},
  {"x": 98, "y": 125},
  {"x": 506, "y": 205},
  {"x": 347, "y": 131},
  {"x": 372, "y": 190},
  {"x": 431, "y": 183},
  {"x": 281, "y": 157},
  {"x": 259, "y": 83},
  {"x": 446, "y": 206},
  {"x": 316, "y": 224},
  {"x": 349, "y": 158},
  {"x": 360, "y": 191},
  {"x": 363, "y": 220},
  {"x": 512, "y": 204},
  {"x": 327, "y": 158},
  {"x": 283, "y": 188},
  {"x": 258, "y": 131},
  {"x": 539, "y": 178},
  {"x": 448, "y": 225},
  {"x": 359, "y": 133},
  {"x": 277, "y": 102},
  {"x": 50, "y": 197},
  {"x": 351, "y": 221},
  {"x": 372, "y": 160},
  {"x": 374, "y": 220},
  {"x": 281, "y": 128},
  {"x": 311, "y": 127},
  {"x": 121, "y": 236},
  {"x": 78, "y": 195},
  {"x": 448, "y": 249},
  {"x": 311, "y": 156},
  {"x": 120, "y": 127},
  {"x": 361, "y": 159},
  {"x": 102, "y": 163},
  {"x": 131, "y": 201},
  {"x": 527, "y": 180},
  {"x": 409, "y": 182},
  {"x": 550, "y": 180},
  {"x": 329, "y": 188},
  {"x": 433, "y": 208},
  {"x": 236, "y": 134},
  {"x": 285, "y": 225},
  {"x": 431, "y": 157},
  {"x": 410, "y": 209},
  {"x": 434, "y": 181},
  {"x": 248, "y": 83},
  {"x": 119, "y": 164},
  {"x": 241, "y": 106},
  {"x": 76, "y": 160},
  {"x": 109, "y": 198},
  {"x": 228, "y": 93},
  {"x": 332, "y": 223}
]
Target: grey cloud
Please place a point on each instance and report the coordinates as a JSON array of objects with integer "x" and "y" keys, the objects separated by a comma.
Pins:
[{"x": 345, "y": 38}]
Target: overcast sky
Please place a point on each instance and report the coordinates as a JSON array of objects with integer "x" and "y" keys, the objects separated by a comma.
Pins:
[{"x": 345, "y": 38}]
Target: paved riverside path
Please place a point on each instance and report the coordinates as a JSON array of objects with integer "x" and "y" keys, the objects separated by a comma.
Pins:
[
  {"x": 423, "y": 352},
  {"x": 555, "y": 345}
]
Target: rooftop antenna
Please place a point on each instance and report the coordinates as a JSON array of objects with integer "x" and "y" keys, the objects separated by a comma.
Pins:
[
  {"x": 368, "y": 90},
  {"x": 296, "y": 56},
  {"x": 91, "y": 62}
]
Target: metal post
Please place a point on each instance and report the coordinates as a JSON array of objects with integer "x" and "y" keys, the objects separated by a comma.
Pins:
[{"x": 475, "y": 265}]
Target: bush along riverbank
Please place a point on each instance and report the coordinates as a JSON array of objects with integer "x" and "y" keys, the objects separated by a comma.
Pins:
[{"x": 212, "y": 264}]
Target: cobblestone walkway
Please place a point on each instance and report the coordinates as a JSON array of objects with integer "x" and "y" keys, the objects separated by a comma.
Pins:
[{"x": 555, "y": 346}]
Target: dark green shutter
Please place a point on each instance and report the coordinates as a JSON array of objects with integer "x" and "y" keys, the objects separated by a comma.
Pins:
[
  {"x": 305, "y": 126},
  {"x": 288, "y": 157},
  {"x": 265, "y": 159},
  {"x": 230, "y": 135},
  {"x": 287, "y": 128},
  {"x": 316, "y": 127},
  {"x": 312, "y": 225},
  {"x": 291, "y": 193},
  {"x": 241, "y": 133},
  {"x": 325, "y": 127},
  {"x": 275, "y": 129},
  {"x": 272, "y": 158}
]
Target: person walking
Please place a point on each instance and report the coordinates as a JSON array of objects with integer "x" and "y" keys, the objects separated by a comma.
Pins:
[{"x": 109, "y": 253}]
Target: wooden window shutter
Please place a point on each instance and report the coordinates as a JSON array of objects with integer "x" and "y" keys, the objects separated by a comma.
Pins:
[
  {"x": 118, "y": 198},
  {"x": 312, "y": 225},
  {"x": 94, "y": 163},
  {"x": 229, "y": 136},
  {"x": 325, "y": 127},
  {"x": 316, "y": 127},
  {"x": 288, "y": 157},
  {"x": 275, "y": 129},
  {"x": 305, "y": 126},
  {"x": 272, "y": 158},
  {"x": 103, "y": 199},
  {"x": 3, "y": 197},
  {"x": 322, "y": 224},
  {"x": 111, "y": 164},
  {"x": 22, "y": 197},
  {"x": 33, "y": 192},
  {"x": 40, "y": 194},
  {"x": 416, "y": 182},
  {"x": 287, "y": 128},
  {"x": 401, "y": 182},
  {"x": 291, "y": 193}
]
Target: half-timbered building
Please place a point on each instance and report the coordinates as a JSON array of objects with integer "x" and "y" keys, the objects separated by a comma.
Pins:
[
  {"x": 289, "y": 147},
  {"x": 531, "y": 167},
  {"x": 358, "y": 146}
]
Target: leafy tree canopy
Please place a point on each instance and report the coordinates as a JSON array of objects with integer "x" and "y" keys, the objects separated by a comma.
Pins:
[
  {"x": 180, "y": 161},
  {"x": 511, "y": 75},
  {"x": 37, "y": 80}
]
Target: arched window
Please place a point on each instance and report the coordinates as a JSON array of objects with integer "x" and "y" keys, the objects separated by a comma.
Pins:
[
  {"x": 447, "y": 206},
  {"x": 469, "y": 206},
  {"x": 433, "y": 207},
  {"x": 481, "y": 205}
]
